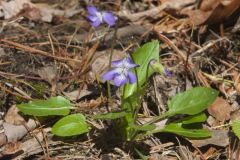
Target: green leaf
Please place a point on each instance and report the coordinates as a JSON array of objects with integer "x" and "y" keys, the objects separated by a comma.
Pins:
[
  {"x": 178, "y": 129},
  {"x": 201, "y": 117},
  {"x": 70, "y": 125},
  {"x": 143, "y": 56},
  {"x": 192, "y": 101},
  {"x": 52, "y": 106},
  {"x": 236, "y": 128},
  {"x": 112, "y": 115}
]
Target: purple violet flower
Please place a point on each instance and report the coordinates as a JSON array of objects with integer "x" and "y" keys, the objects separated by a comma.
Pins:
[
  {"x": 168, "y": 73},
  {"x": 120, "y": 73},
  {"x": 96, "y": 17}
]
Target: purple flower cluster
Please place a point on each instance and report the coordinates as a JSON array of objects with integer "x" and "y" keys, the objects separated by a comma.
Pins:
[
  {"x": 96, "y": 17},
  {"x": 121, "y": 72}
]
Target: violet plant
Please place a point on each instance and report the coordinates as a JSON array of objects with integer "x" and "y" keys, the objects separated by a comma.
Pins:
[
  {"x": 131, "y": 75},
  {"x": 146, "y": 62}
]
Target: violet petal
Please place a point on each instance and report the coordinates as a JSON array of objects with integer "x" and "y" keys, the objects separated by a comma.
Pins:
[
  {"x": 109, "y": 75},
  {"x": 92, "y": 18},
  {"x": 132, "y": 65},
  {"x": 96, "y": 23},
  {"x": 117, "y": 63},
  {"x": 92, "y": 10},
  {"x": 129, "y": 62},
  {"x": 120, "y": 80},
  {"x": 109, "y": 18},
  {"x": 132, "y": 77},
  {"x": 168, "y": 73}
]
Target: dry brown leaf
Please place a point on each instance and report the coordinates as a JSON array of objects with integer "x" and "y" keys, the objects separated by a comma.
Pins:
[
  {"x": 101, "y": 60},
  {"x": 236, "y": 27},
  {"x": 210, "y": 152},
  {"x": 219, "y": 138},
  {"x": 12, "y": 8},
  {"x": 11, "y": 148},
  {"x": 209, "y": 5},
  {"x": 13, "y": 117},
  {"x": 2, "y": 52},
  {"x": 163, "y": 1},
  {"x": 49, "y": 74},
  {"x": 32, "y": 11},
  {"x": 153, "y": 12},
  {"x": 238, "y": 87},
  {"x": 213, "y": 11},
  {"x": 94, "y": 103},
  {"x": 47, "y": 12},
  {"x": 220, "y": 109},
  {"x": 236, "y": 78},
  {"x": 32, "y": 145},
  {"x": 235, "y": 115},
  {"x": 3, "y": 139},
  {"x": 77, "y": 94},
  {"x": 16, "y": 132},
  {"x": 159, "y": 125}
]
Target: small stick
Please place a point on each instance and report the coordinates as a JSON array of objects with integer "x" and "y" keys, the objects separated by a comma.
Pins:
[
  {"x": 36, "y": 51},
  {"x": 15, "y": 94}
]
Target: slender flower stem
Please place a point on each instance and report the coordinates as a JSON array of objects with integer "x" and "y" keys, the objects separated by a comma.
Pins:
[
  {"x": 138, "y": 95},
  {"x": 109, "y": 64},
  {"x": 123, "y": 91}
]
